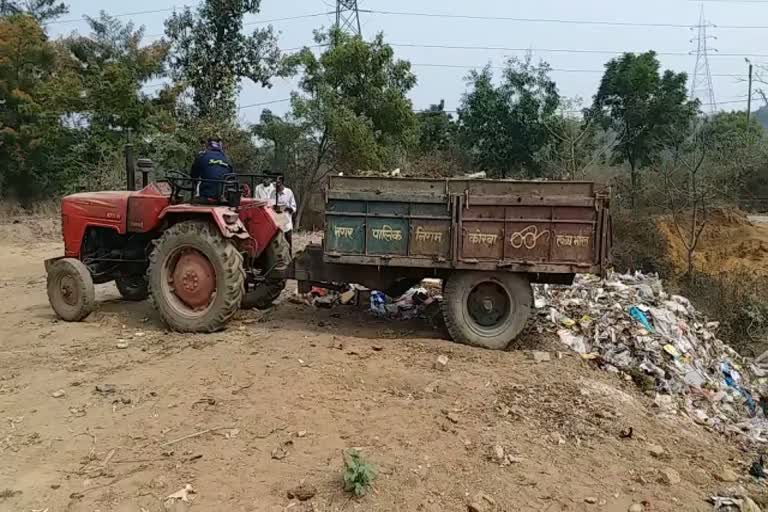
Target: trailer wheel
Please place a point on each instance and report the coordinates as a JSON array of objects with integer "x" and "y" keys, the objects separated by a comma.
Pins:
[
  {"x": 70, "y": 289},
  {"x": 133, "y": 287},
  {"x": 196, "y": 277},
  {"x": 276, "y": 258},
  {"x": 486, "y": 309}
]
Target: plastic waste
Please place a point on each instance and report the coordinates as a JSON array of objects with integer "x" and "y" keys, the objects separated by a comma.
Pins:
[
  {"x": 640, "y": 316},
  {"x": 628, "y": 324}
]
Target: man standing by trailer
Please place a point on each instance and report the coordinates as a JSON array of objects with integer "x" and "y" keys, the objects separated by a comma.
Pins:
[{"x": 284, "y": 202}]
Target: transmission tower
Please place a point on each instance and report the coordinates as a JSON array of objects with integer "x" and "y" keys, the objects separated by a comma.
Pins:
[
  {"x": 701, "y": 82},
  {"x": 348, "y": 16}
]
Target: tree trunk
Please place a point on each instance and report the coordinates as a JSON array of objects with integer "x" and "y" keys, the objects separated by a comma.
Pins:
[{"x": 632, "y": 183}]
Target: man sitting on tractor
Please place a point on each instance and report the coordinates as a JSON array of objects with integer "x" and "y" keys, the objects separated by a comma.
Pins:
[{"x": 211, "y": 164}]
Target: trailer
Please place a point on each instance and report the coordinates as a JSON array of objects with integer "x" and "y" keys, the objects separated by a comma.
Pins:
[{"x": 487, "y": 240}]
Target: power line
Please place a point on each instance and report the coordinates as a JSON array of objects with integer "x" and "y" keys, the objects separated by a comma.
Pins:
[
  {"x": 529, "y": 20},
  {"x": 251, "y": 105},
  {"x": 561, "y": 50},
  {"x": 560, "y": 70}
]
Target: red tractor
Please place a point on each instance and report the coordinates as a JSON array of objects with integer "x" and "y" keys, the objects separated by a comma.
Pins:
[{"x": 197, "y": 261}]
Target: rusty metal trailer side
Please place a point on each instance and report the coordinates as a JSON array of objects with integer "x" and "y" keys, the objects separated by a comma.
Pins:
[{"x": 531, "y": 227}]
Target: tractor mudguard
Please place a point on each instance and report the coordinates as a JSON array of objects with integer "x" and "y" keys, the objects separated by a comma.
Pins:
[
  {"x": 225, "y": 218},
  {"x": 51, "y": 261}
]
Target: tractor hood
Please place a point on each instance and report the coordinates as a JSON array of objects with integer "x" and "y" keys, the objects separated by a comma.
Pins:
[{"x": 99, "y": 198}]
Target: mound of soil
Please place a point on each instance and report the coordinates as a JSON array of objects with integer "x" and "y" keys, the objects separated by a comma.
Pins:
[{"x": 730, "y": 241}]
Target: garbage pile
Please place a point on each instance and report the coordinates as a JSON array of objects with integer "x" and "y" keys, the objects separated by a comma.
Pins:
[
  {"x": 628, "y": 324},
  {"x": 418, "y": 302}
]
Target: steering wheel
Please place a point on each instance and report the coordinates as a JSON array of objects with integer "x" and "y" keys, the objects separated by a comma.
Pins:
[{"x": 178, "y": 177}]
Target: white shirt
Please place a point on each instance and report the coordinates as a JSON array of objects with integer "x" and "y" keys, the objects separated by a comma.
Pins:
[
  {"x": 285, "y": 199},
  {"x": 263, "y": 192}
]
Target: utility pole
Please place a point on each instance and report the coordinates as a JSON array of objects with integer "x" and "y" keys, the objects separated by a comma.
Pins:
[
  {"x": 701, "y": 83},
  {"x": 348, "y": 17},
  {"x": 749, "y": 92}
]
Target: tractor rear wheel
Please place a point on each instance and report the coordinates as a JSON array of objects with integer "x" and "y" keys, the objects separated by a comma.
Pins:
[
  {"x": 276, "y": 258},
  {"x": 196, "y": 277},
  {"x": 133, "y": 287},
  {"x": 486, "y": 309},
  {"x": 70, "y": 289}
]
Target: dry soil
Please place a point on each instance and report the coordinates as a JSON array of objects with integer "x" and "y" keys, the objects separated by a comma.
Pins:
[{"x": 247, "y": 414}]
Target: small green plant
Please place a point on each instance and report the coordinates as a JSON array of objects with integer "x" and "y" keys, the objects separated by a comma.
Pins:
[{"x": 359, "y": 474}]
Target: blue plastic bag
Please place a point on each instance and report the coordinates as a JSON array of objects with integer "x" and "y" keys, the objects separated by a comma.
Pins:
[{"x": 641, "y": 317}]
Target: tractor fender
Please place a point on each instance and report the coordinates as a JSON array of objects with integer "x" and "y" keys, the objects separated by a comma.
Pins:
[{"x": 225, "y": 218}]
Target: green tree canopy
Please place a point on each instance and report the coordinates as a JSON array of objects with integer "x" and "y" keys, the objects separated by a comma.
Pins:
[
  {"x": 41, "y": 10},
  {"x": 646, "y": 108},
  {"x": 211, "y": 54},
  {"x": 437, "y": 129},
  {"x": 30, "y": 117},
  {"x": 353, "y": 105},
  {"x": 504, "y": 126}
]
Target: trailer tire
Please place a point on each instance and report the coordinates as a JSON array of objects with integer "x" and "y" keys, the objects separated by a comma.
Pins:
[
  {"x": 70, "y": 289},
  {"x": 196, "y": 277},
  {"x": 486, "y": 309}
]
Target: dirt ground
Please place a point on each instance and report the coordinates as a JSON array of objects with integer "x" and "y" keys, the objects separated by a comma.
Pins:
[
  {"x": 730, "y": 241},
  {"x": 279, "y": 396}
]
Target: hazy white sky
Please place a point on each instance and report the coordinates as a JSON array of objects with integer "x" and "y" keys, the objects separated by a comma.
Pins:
[{"x": 440, "y": 71}]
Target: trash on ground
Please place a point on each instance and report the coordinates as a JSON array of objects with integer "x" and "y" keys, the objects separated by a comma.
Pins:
[
  {"x": 185, "y": 494},
  {"x": 629, "y": 325},
  {"x": 418, "y": 302}
]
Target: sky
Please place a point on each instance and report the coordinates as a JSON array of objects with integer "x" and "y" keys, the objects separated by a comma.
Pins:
[{"x": 441, "y": 71}]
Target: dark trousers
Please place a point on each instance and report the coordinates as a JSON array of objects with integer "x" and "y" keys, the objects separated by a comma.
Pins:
[{"x": 289, "y": 239}]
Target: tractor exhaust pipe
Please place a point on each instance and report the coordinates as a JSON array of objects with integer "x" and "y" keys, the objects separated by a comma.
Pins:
[{"x": 130, "y": 168}]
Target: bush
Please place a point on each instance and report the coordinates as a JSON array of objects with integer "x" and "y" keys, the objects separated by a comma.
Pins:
[
  {"x": 358, "y": 473},
  {"x": 637, "y": 242},
  {"x": 739, "y": 301}
]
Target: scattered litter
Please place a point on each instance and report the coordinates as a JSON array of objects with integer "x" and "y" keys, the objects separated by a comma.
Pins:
[
  {"x": 738, "y": 503},
  {"x": 757, "y": 469},
  {"x": 418, "y": 302},
  {"x": 59, "y": 393},
  {"x": 121, "y": 345},
  {"x": 441, "y": 362},
  {"x": 184, "y": 494},
  {"x": 627, "y": 324}
]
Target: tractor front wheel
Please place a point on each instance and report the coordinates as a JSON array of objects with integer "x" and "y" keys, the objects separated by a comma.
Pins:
[
  {"x": 70, "y": 289},
  {"x": 196, "y": 277}
]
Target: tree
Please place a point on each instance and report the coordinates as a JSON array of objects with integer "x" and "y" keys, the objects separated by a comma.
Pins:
[
  {"x": 41, "y": 10},
  {"x": 211, "y": 54},
  {"x": 353, "y": 106},
  {"x": 690, "y": 186},
  {"x": 504, "y": 126},
  {"x": 285, "y": 138},
  {"x": 577, "y": 143},
  {"x": 437, "y": 129},
  {"x": 643, "y": 107},
  {"x": 30, "y": 117}
]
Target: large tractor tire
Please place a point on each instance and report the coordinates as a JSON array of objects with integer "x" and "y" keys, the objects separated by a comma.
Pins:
[
  {"x": 70, "y": 289},
  {"x": 196, "y": 277},
  {"x": 276, "y": 258},
  {"x": 486, "y": 309},
  {"x": 133, "y": 287}
]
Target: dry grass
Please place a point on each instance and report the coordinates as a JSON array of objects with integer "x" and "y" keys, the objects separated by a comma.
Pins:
[{"x": 10, "y": 209}]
